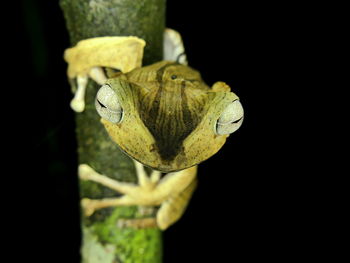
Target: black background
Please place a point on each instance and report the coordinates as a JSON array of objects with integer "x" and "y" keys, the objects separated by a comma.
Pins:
[{"x": 252, "y": 200}]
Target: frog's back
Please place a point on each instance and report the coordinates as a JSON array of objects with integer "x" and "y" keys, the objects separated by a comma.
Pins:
[
  {"x": 164, "y": 71},
  {"x": 172, "y": 99}
]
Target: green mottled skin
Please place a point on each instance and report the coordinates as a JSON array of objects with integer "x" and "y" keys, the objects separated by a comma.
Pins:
[{"x": 86, "y": 19}]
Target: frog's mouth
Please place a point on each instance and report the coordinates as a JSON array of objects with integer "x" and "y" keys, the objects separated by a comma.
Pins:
[
  {"x": 168, "y": 169},
  {"x": 162, "y": 166}
]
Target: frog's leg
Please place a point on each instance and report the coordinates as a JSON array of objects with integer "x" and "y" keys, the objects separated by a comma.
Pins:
[
  {"x": 173, "y": 48},
  {"x": 169, "y": 212},
  {"x": 173, "y": 208},
  {"x": 172, "y": 192}
]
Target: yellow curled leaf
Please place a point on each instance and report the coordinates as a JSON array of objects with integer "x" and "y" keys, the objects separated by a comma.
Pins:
[{"x": 123, "y": 53}]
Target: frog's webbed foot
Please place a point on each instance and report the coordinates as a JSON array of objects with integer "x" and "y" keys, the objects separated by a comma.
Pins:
[
  {"x": 96, "y": 74},
  {"x": 174, "y": 49},
  {"x": 172, "y": 193},
  {"x": 87, "y": 58}
]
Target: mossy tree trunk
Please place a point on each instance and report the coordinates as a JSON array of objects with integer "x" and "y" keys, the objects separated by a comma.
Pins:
[{"x": 103, "y": 240}]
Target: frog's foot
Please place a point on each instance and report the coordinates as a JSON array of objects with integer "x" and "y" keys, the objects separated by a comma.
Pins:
[
  {"x": 95, "y": 73},
  {"x": 169, "y": 212},
  {"x": 173, "y": 208},
  {"x": 172, "y": 193},
  {"x": 174, "y": 49},
  {"x": 132, "y": 194},
  {"x": 88, "y": 56}
]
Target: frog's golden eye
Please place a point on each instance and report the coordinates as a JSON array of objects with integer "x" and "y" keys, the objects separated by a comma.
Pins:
[
  {"x": 230, "y": 119},
  {"x": 107, "y": 105}
]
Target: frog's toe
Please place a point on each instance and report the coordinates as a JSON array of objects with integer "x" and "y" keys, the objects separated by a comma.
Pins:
[
  {"x": 97, "y": 74},
  {"x": 78, "y": 102},
  {"x": 174, "y": 49}
]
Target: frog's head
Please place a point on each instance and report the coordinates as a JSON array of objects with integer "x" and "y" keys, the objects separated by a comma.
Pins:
[{"x": 171, "y": 120}]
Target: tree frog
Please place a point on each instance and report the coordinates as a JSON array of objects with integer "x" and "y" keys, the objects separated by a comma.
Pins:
[{"x": 163, "y": 116}]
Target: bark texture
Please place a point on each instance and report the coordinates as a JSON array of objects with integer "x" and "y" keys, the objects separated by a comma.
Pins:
[{"x": 103, "y": 240}]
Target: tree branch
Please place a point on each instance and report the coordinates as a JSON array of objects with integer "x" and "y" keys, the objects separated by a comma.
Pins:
[{"x": 103, "y": 240}]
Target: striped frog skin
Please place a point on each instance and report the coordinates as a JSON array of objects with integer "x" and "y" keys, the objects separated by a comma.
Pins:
[
  {"x": 166, "y": 117},
  {"x": 163, "y": 116}
]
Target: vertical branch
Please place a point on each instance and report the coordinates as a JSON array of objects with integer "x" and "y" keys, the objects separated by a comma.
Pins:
[{"x": 103, "y": 240}]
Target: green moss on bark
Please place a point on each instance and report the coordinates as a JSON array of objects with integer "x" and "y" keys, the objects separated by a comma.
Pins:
[
  {"x": 98, "y": 248},
  {"x": 103, "y": 241}
]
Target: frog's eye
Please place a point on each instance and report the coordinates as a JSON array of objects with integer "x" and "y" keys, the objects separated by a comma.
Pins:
[
  {"x": 107, "y": 104},
  {"x": 231, "y": 118}
]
